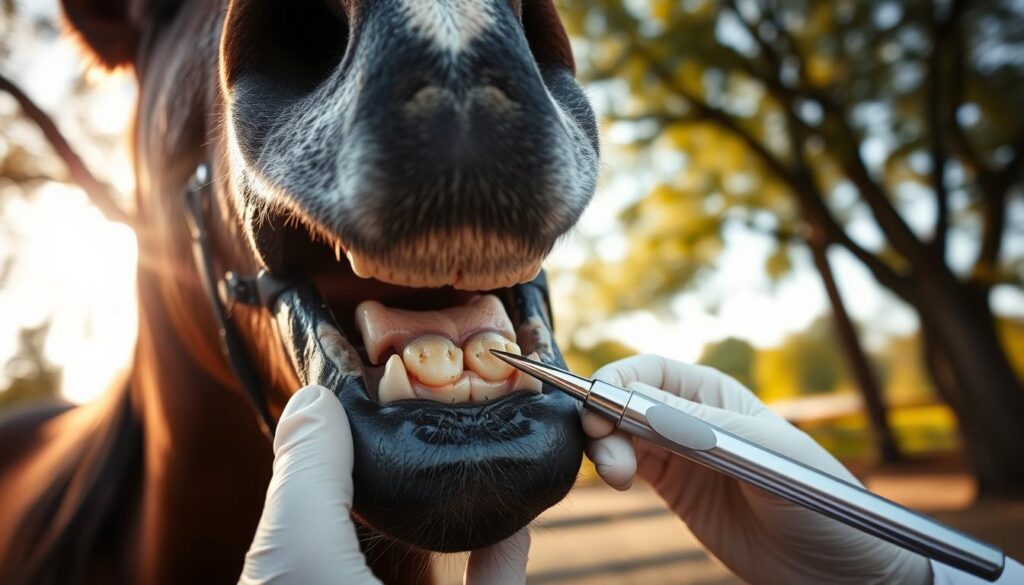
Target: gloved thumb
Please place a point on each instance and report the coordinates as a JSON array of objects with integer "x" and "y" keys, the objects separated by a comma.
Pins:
[
  {"x": 500, "y": 564},
  {"x": 306, "y": 534}
]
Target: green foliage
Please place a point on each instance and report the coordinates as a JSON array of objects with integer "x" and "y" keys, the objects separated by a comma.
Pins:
[
  {"x": 791, "y": 115},
  {"x": 733, "y": 356},
  {"x": 586, "y": 361},
  {"x": 807, "y": 362}
]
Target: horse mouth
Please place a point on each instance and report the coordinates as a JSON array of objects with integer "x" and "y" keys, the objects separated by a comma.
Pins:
[
  {"x": 444, "y": 435},
  {"x": 418, "y": 334}
]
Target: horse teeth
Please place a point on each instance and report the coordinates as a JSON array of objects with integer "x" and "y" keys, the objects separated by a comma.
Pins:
[
  {"x": 442, "y": 355},
  {"x": 480, "y": 359},
  {"x": 360, "y": 265},
  {"x": 487, "y": 389},
  {"x": 395, "y": 384},
  {"x": 434, "y": 360},
  {"x": 527, "y": 382},
  {"x": 461, "y": 391}
]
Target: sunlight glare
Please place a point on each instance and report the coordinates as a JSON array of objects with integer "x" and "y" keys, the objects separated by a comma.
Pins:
[{"x": 76, "y": 269}]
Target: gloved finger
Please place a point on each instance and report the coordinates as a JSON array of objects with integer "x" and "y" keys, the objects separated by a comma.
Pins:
[
  {"x": 305, "y": 534},
  {"x": 594, "y": 425},
  {"x": 732, "y": 421},
  {"x": 500, "y": 564},
  {"x": 314, "y": 440},
  {"x": 711, "y": 387},
  {"x": 614, "y": 459},
  {"x": 693, "y": 382},
  {"x": 771, "y": 432},
  {"x": 649, "y": 369}
]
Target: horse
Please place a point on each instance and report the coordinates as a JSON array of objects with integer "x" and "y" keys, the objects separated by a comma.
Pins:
[{"x": 293, "y": 161}]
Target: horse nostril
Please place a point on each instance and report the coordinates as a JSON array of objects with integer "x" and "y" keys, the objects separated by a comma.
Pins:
[
  {"x": 495, "y": 99},
  {"x": 428, "y": 99},
  {"x": 293, "y": 45},
  {"x": 432, "y": 99}
]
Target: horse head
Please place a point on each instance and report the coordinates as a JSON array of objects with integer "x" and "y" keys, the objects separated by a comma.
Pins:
[{"x": 387, "y": 161}]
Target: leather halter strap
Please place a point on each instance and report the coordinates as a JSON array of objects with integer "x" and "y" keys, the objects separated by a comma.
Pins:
[{"x": 227, "y": 289}]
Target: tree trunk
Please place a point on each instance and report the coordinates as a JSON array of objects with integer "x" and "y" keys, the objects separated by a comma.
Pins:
[
  {"x": 973, "y": 373},
  {"x": 857, "y": 361}
]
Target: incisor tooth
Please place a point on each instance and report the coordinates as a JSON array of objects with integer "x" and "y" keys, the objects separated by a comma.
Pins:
[
  {"x": 480, "y": 360},
  {"x": 359, "y": 265},
  {"x": 395, "y": 383},
  {"x": 527, "y": 382},
  {"x": 461, "y": 391},
  {"x": 433, "y": 359},
  {"x": 486, "y": 389}
]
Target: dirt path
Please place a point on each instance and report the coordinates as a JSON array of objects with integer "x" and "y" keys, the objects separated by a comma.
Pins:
[{"x": 601, "y": 537}]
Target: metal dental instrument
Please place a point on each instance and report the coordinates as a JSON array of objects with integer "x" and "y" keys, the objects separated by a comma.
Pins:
[{"x": 691, "y": 437}]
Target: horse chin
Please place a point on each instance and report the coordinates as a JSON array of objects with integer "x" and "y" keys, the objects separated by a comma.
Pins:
[{"x": 440, "y": 477}]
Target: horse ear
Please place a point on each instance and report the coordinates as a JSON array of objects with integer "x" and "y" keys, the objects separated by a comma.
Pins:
[
  {"x": 547, "y": 37},
  {"x": 106, "y": 27}
]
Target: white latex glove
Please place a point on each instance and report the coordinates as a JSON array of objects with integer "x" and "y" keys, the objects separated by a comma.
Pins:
[
  {"x": 306, "y": 535},
  {"x": 761, "y": 538}
]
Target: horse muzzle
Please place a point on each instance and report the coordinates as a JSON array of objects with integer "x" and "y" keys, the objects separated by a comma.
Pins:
[{"x": 440, "y": 476}]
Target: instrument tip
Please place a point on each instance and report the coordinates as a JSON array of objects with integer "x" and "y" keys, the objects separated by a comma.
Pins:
[{"x": 566, "y": 381}]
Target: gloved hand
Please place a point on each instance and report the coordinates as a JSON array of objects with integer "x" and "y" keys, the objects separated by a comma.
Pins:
[
  {"x": 761, "y": 538},
  {"x": 306, "y": 535}
]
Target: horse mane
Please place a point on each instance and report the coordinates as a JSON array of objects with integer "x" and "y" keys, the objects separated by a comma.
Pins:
[{"x": 85, "y": 494}]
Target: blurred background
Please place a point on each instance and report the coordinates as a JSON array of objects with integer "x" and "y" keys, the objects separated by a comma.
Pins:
[{"x": 824, "y": 199}]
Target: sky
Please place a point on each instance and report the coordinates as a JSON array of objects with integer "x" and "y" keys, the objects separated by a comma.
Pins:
[{"x": 77, "y": 269}]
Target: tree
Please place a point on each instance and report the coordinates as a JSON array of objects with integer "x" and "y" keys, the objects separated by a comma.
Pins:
[
  {"x": 804, "y": 363},
  {"x": 835, "y": 117},
  {"x": 856, "y": 358},
  {"x": 734, "y": 357},
  {"x": 586, "y": 361}
]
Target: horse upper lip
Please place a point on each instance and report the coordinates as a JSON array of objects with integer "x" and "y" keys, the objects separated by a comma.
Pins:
[{"x": 463, "y": 259}]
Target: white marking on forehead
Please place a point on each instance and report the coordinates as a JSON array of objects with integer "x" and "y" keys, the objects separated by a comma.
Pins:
[{"x": 451, "y": 24}]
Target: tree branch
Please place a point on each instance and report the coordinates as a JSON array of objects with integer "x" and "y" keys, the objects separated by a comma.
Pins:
[
  {"x": 100, "y": 193},
  {"x": 707, "y": 112},
  {"x": 824, "y": 229},
  {"x": 772, "y": 13},
  {"x": 819, "y": 218},
  {"x": 801, "y": 187},
  {"x": 779, "y": 234},
  {"x": 961, "y": 142},
  {"x": 888, "y": 219},
  {"x": 765, "y": 49},
  {"x": 937, "y": 112},
  {"x": 996, "y": 187},
  {"x": 773, "y": 81}
]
